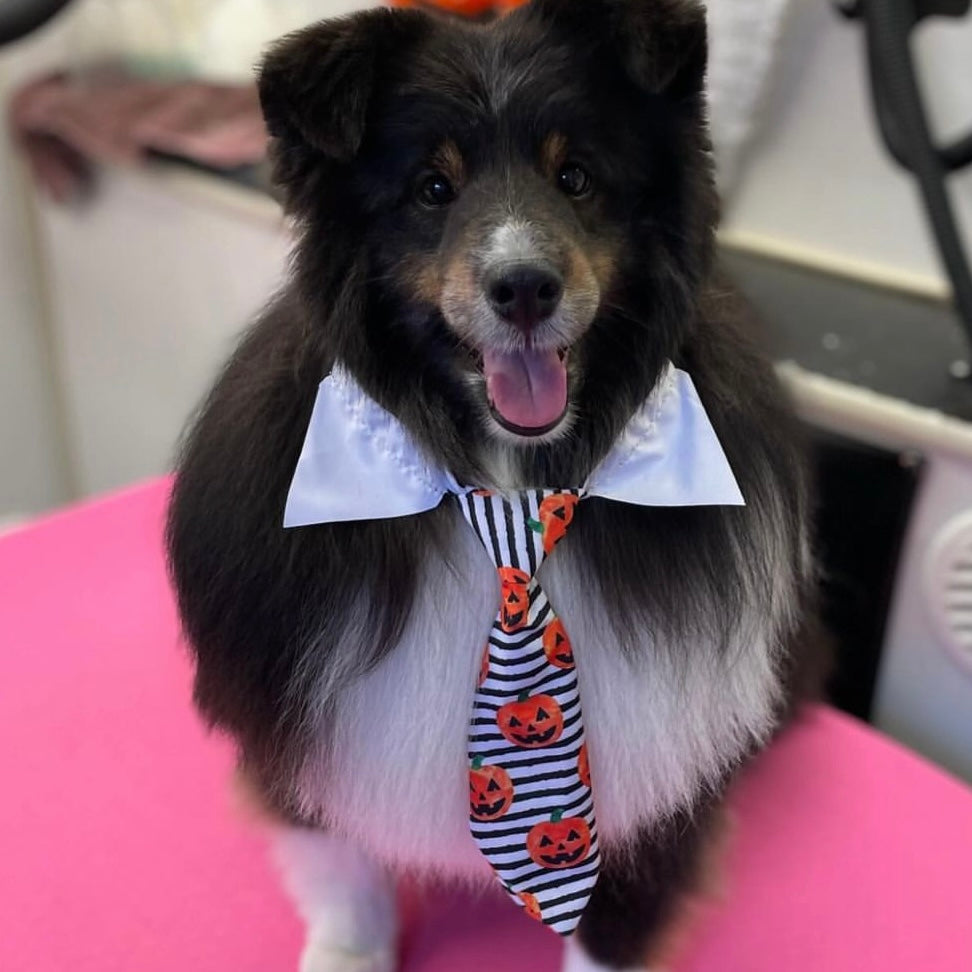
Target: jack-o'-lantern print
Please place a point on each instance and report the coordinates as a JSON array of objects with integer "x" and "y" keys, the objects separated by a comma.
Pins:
[
  {"x": 531, "y": 906},
  {"x": 515, "y": 598},
  {"x": 558, "y": 843},
  {"x": 556, "y": 645},
  {"x": 532, "y": 721},
  {"x": 584, "y": 766},
  {"x": 556, "y": 512},
  {"x": 490, "y": 791}
]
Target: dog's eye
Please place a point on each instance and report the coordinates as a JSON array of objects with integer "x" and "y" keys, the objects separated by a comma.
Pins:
[
  {"x": 574, "y": 180},
  {"x": 436, "y": 190}
]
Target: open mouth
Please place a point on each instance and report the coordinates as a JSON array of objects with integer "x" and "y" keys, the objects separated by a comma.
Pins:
[{"x": 527, "y": 390}]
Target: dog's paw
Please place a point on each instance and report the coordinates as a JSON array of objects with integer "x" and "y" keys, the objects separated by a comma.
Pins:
[
  {"x": 577, "y": 960},
  {"x": 322, "y": 956}
]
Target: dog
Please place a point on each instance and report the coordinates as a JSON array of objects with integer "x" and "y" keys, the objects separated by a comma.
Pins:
[{"x": 505, "y": 237}]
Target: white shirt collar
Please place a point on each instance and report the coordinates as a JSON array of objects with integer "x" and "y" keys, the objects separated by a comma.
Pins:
[{"x": 358, "y": 461}]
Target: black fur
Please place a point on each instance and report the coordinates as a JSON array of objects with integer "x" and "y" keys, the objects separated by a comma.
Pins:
[
  {"x": 638, "y": 896},
  {"x": 356, "y": 106}
]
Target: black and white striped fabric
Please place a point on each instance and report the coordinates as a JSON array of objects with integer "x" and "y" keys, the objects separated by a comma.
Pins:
[{"x": 531, "y": 806}]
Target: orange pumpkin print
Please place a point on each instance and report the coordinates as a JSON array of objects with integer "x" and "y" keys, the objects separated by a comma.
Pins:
[
  {"x": 556, "y": 645},
  {"x": 558, "y": 843},
  {"x": 515, "y": 598},
  {"x": 531, "y": 906},
  {"x": 556, "y": 512},
  {"x": 532, "y": 721},
  {"x": 584, "y": 766},
  {"x": 490, "y": 791}
]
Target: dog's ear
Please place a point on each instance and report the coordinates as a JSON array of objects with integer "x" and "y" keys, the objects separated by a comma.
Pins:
[
  {"x": 662, "y": 43},
  {"x": 667, "y": 44},
  {"x": 316, "y": 84}
]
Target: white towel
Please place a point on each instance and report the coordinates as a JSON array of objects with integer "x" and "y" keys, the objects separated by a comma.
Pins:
[
  {"x": 222, "y": 39},
  {"x": 744, "y": 39}
]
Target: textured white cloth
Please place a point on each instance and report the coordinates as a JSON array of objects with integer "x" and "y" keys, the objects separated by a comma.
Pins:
[
  {"x": 359, "y": 463},
  {"x": 744, "y": 41}
]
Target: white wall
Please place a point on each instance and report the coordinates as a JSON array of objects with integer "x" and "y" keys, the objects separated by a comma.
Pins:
[
  {"x": 818, "y": 181},
  {"x": 31, "y": 475},
  {"x": 45, "y": 459},
  {"x": 149, "y": 288},
  {"x": 33, "y": 468}
]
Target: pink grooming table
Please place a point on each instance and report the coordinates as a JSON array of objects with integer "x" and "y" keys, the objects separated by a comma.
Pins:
[{"x": 119, "y": 849}]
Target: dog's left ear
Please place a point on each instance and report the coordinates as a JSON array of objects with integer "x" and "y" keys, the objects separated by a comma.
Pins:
[
  {"x": 662, "y": 43},
  {"x": 316, "y": 84}
]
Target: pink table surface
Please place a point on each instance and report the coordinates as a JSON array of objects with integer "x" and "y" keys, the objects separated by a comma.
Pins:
[{"x": 119, "y": 848}]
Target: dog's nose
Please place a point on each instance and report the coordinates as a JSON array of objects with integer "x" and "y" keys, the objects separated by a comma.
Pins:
[{"x": 524, "y": 294}]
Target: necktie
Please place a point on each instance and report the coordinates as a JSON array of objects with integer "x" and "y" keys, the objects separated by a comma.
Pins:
[
  {"x": 531, "y": 810},
  {"x": 531, "y": 806}
]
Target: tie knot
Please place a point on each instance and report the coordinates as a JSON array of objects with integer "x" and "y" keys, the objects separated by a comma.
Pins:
[{"x": 520, "y": 529}]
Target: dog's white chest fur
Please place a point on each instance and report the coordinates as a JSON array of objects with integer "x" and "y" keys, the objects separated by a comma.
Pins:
[{"x": 392, "y": 774}]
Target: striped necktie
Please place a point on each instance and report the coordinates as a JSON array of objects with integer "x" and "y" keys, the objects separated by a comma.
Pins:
[{"x": 531, "y": 807}]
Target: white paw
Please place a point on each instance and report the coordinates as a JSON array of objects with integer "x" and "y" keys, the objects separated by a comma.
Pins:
[
  {"x": 325, "y": 957},
  {"x": 348, "y": 903},
  {"x": 577, "y": 960}
]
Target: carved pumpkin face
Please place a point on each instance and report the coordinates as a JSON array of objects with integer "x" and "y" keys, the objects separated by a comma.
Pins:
[
  {"x": 531, "y": 722},
  {"x": 515, "y": 600},
  {"x": 531, "y": 906},
  {"x": 557, "y": 843},
  {"x": 584, "y": 766},
  {"x": 556, "y": 645},
  {"x": 556, "y": 512},
  {"x": 490, "y": 791}
]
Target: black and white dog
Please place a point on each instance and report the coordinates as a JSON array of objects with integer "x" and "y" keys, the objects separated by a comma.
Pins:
[{"x": 505, "y": 238}]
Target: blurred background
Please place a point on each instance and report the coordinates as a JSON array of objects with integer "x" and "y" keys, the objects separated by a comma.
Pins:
[{"x": 138, "y": 234}]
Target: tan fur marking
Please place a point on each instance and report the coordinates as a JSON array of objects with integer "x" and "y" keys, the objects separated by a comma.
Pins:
[
  {"x": 421, "y": 276},
  {"x": 448, "y": 160},
  {"x": 553, "y": 154},
  {"x": 460, "y": 289},
  {"x": 580, "y": 274},
  {"x": 603, "y": 257}
]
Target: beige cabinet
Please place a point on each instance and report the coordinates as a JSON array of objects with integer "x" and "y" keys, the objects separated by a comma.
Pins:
[{"x": 150, "y": 284}]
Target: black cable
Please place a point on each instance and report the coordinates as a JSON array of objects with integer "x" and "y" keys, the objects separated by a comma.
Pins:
[
  {"x": 956, "y": 155},
  {"x": 19, "y": 17},
  {"x": 901, "y": 115}
]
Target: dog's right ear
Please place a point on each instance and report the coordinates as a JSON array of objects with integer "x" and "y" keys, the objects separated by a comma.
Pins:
[
  {"x": 316, "y": 84},
  {"x": 661, "y": 43}
]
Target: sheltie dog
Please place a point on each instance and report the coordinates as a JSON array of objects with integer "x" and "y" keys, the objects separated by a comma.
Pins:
[{"x": 504, "y": 234}]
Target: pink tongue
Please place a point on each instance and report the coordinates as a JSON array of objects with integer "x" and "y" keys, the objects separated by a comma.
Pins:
[{"x": 527, "y": 388}]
